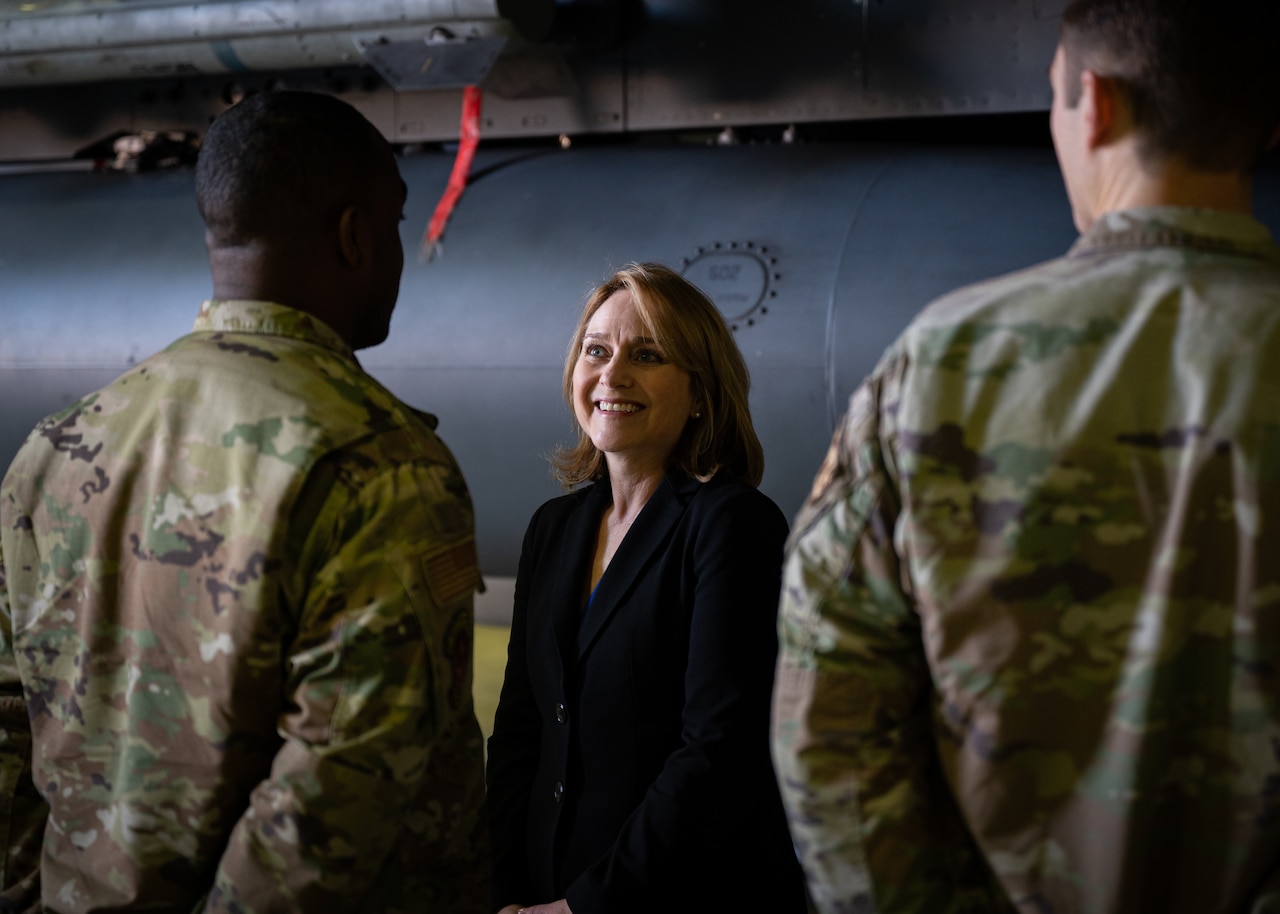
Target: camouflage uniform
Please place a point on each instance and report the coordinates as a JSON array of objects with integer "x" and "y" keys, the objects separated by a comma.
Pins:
[
  {"x": 235, "y": 639},
  {"x": 1026, "y": 662}
]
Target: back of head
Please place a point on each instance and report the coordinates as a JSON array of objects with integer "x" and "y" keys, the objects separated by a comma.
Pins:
[
  {"x": 1202, "y": 77},
  {"x": 281, "y": 163},
  {"x": 693, "y": 335}
]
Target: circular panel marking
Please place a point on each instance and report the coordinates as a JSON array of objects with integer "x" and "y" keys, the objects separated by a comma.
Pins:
[{"x": 737, "y": 281}]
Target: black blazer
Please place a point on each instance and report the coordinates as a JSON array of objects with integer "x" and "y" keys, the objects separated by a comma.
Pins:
[{"x": 629, "y": 765}]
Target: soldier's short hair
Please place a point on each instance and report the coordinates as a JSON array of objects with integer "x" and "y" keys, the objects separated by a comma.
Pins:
[
  {"x": 280, "y": 163},
  {"x": 1202, "y": 76}
]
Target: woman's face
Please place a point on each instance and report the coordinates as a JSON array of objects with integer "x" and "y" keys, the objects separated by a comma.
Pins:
[{"x": 629, "y": 399}]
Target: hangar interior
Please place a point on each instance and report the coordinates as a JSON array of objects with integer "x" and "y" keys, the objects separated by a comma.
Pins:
[{"x": 821, "y": 168}]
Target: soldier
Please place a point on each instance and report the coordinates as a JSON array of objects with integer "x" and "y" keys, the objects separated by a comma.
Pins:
[
  {"x": 236, "y": 583},
  {"x": 1029, "y": 648}
]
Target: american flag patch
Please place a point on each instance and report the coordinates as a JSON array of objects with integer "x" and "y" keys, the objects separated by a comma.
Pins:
[{"x": 451, "y": 572}]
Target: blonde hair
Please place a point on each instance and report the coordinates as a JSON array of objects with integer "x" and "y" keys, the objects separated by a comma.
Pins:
[{"x": 694, "y": 337}]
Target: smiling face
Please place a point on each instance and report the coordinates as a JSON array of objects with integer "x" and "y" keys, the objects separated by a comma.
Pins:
[{"x": 629, "y": 399}]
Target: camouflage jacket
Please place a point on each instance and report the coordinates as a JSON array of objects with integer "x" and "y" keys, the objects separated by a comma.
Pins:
[
  {"x": 1025, "y": 660},
  {"x": 235, "y": 640}
]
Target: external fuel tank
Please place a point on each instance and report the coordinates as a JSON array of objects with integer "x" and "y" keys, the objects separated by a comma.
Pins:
[{"x": 818, "y": 254}]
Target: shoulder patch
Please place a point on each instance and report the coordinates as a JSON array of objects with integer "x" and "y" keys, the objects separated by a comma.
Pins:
[{"x": 452, "y": 571}]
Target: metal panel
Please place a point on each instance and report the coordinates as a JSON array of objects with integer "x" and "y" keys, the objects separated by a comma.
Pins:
[
  {"x": 722, "y": 63},
  {"x": 980, "y": 56},
  {"x": 587, "y": 100},
  {"x": 120, "y": 41},
  {"x": 57, "y": 122},
  {"x": 676, "y": 65}
]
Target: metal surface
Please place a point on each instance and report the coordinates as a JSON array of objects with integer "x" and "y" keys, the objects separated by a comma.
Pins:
[
  {"x": 729, "y": 63},
  {"x": 99, "y": 270},
  {"x": 42, "y": 46},
  {"x": 450, "y": 64},
  {"x": 603, "y": 67}
]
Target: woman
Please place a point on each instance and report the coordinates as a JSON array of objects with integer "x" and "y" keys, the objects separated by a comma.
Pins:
[{"x": 629, "y": 764}]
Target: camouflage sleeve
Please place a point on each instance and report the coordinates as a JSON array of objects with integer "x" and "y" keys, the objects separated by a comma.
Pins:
[
  {"x": 22, "y": 810},
  {"x": 873, "y": 822},
  {"x": 368, "y": 696}
]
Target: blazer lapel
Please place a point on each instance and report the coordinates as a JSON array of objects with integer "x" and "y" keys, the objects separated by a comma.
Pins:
[
  {"x": 573, "y": 566},
  {"x": 641, "y": 546}
]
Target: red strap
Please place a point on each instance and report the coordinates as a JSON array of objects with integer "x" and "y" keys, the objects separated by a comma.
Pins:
[{"x": 468, "y": 139}]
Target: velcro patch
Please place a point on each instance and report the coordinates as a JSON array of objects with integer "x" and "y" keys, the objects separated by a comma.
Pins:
[{"x": 452, "y": 571}]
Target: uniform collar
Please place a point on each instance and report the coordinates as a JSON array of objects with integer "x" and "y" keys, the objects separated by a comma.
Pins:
[
  {"x": 271, "y": 319},
  {"x": 1181, "y": 227}
]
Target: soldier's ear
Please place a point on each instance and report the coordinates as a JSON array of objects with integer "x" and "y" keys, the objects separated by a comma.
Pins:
[
  {"x": 353, "y": 240},
  {"x": 1106, "y": 110}
]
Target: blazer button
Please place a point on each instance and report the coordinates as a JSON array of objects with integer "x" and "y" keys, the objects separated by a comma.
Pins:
[
  {"x": 562, "y": 713},
  {"x": 557, "y": 792}
]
